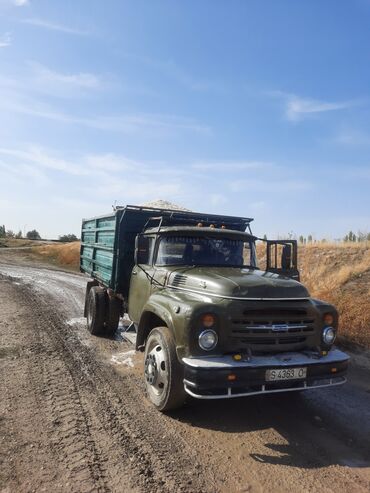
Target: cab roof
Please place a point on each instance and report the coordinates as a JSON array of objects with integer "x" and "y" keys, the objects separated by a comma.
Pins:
[{"x": 199, "y": 231}]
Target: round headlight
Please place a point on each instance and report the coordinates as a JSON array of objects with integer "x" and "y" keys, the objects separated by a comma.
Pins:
[
  {"x": 329, "y": 335},
  {"x": 208, "y": 340}
]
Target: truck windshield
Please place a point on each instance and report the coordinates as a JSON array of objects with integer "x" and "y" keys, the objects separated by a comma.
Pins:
[{"x": 193, "y": 250}]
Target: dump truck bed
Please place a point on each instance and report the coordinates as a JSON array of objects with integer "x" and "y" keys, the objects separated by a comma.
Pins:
[{"x": 108, "y": 242}]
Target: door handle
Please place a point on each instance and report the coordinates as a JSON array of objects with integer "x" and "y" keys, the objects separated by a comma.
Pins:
[{"x": 134, "y": 272}]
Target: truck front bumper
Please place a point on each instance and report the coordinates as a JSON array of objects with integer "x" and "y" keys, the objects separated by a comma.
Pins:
[{"x": 221, "y": 377}]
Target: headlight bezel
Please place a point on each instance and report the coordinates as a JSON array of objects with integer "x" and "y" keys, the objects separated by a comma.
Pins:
[
  {"x": 201, "y": 337},
  {"x": 325, "y": 333}
]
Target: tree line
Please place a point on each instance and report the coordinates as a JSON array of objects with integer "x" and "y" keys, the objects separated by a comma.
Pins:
[
  {"x": 32, "y": 235},
  {"x": 304, "y": 240},
  {"x": 350, "y": 237}
]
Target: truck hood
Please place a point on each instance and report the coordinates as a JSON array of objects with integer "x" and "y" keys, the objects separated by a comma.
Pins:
[{"x": 235, "y": 282}]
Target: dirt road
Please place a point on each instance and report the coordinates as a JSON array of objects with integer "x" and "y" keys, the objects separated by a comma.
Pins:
[{"x": 73, "y": 416}]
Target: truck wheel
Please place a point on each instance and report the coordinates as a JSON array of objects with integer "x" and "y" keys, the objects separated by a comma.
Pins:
[
  {"x": 96, "y": 307},
  {"x": 162, "y": 371},
  {"x": 114, "y": 306},
  {"x": 89, "y": 285}
]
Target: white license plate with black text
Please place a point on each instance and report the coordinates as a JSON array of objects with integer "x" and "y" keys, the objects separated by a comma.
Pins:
[{"x": 285, "y": 374}]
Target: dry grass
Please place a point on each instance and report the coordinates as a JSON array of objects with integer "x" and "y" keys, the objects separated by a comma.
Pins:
[
  {"x": 340, "y": 274},
  {"x": 337, "y": 273},
  {"x": 17, "y": 243},
  {"x": 64, "y": 254}
]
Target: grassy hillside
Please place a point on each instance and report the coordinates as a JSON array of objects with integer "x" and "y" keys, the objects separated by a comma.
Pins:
[
  {"x": 338, "y": 273},
  {"x": 17, "y": 243},
  {"x": 64, "y": 254}
]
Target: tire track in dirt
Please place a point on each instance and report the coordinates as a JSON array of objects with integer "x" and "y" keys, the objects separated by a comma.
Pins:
[
  {"x": 257, "y": 444},
  {"x": 156, "y": 460},
  {"x": 101, "y": 437},
  {"x": 71, "y": 428}
]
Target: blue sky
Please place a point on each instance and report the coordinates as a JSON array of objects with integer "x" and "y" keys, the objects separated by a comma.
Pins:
[{"x": 255, "y": 108}]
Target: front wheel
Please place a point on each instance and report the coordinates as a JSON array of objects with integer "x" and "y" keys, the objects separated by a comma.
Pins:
[{"x": 162, "y": 371}]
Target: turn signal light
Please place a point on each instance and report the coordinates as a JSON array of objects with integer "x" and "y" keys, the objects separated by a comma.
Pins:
[
  {"x": 231, "y": 377},
  {"x": 328, "y": 319},
  {"x": 334, "y": 370},
  {"x": 237, "y": 357},
  {"x": 208, "y": 320}
]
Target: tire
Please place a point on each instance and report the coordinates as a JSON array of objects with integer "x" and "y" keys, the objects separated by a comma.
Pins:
[
  {"x": 163, "y": 373},
  {"x": 89, "y": 285},
  {"x": 96, "y": 309},
  {"x": 113, "y": 313}
]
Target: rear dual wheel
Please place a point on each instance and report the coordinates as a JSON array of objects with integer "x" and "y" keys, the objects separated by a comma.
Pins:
[
  {"x": 102, "y": 312},
  {"x": 113, "y": 313}
]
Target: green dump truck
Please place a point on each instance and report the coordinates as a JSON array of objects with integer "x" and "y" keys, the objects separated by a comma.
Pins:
[{"x": 210, "y": 322}]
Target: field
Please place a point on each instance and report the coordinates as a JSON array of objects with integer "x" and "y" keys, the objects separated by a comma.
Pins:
[
  {"x": 335, "y": 272},
  {"x": 63, "y": 254},
  {"x": 340, "y": 273}
]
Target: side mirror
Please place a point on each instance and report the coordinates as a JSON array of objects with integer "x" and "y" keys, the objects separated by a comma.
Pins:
[
  {"x": 142, "y": 250},
  {"x": 286, "y": 257}
]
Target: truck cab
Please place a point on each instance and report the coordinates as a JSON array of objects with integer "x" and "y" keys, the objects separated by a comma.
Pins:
[{"x": 211, "y": 323}]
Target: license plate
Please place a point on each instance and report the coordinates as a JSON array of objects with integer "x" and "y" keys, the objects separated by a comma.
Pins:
[{"x": 285, "y": 374}]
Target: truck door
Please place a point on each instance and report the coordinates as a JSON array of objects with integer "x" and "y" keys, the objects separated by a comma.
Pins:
[
  {"x": 141, "y": 277},
  {"x": 281, "y": 258}
]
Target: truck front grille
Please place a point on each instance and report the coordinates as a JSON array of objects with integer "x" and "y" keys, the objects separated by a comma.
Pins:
[
  {"x": 271, "y": 329},
  {"x": 271, "y": 340}
]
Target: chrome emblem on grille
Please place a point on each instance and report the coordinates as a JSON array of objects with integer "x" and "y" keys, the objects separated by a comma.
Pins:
[{"x": 280, "y": 328}]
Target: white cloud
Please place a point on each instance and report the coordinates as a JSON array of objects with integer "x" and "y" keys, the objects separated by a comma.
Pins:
[
  {"x": 17, "y": 174},
  {"x": 353, "y": 138},
  {"x": 269, "y": 185},
  {"x": 357, "y": 173},
  {"x": 5, "y": 40},
  {"x": 34, "y": 80},
  {"x": 14, "y": 3},
  {"x": 108, "y": 167},
  {"x": 67, "y": 187},
  {"x": 111, "y": 162},
  {"x": 51, "y": 26},
  {"x": 297, "y": 108},
  {"x": 232, "y": 165},
  {"x": 158, "y": 124},
  {"x": 155, "y": 122},
  {"x": 41, "y": 158},
  {"x": 43, "y": 75},
  {"x": 259, "y": 205},
  {"x": 217, "y": 199},
  {"x": 137, "y": 189},
  {"x": 172, "y": 70},
  {"x": 26, "y": 95}
]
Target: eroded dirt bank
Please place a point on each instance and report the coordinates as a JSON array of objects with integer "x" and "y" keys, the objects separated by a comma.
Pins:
[{"x": 74, "y": 418}]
